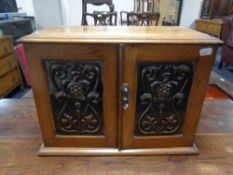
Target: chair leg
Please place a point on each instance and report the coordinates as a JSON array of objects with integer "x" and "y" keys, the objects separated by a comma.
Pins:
[{"x": 220, "y": 65}]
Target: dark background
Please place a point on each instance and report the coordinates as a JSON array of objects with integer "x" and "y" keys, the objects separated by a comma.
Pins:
[{"x": 7, "y": 6}]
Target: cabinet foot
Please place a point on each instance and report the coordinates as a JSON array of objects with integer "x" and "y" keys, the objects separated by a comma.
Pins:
[{"x": 64, "y": 151}]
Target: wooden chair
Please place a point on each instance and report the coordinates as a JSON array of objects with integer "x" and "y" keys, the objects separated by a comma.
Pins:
[
  {"x": 168, "y": 23},
  {"x": 103, "y": 18},
  {"x": 144, "y": 13},
  {"x": 142, "y": 18},
  {"x": 96, "y": 3}
]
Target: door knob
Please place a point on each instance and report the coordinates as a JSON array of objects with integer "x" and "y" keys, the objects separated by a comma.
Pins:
[{"x": 125, "y": 96}]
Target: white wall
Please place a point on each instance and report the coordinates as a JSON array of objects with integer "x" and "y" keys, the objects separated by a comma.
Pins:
[
  {"x": 74, "y": 9},
  {"x": 47, "y": 13},
  {"x": 190, "y": 12},
  {"x": 25, "y": 6},
  {"x": 68, "y": 12}
]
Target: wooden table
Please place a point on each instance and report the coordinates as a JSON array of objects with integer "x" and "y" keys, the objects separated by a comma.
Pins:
[
  {"x": 210, "y": 26},
  {"x": 20, "y": 140}
]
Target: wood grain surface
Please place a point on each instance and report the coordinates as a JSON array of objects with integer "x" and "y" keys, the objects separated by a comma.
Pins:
[
  {"x": 120, "y": 34},
  {"x": 20, "y": 140}
]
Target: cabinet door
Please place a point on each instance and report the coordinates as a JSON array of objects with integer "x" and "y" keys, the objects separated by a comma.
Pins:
[
  {"x": 75, "y": 91},
  {"x": 166, "y": 88}
]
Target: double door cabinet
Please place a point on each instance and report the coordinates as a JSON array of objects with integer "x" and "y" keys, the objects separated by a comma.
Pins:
[{"x": 109, "y": 96}]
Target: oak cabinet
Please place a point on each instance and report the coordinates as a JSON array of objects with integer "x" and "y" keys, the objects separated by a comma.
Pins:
[
  {"x": 110, "y": 91},
  {"x": 210, "y": 26},
  {"x": 10, "y": 76}
]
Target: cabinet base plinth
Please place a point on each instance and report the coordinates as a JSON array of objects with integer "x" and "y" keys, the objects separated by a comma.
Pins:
[{"x": 64, "y": 151}]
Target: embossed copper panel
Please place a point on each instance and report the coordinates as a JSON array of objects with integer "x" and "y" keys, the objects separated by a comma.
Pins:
[
  {"x": 76, "y": 93},
  {"x": 162, "y": 95}
]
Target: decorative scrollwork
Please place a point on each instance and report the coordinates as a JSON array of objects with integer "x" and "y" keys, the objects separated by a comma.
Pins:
[
  {"x": 163, "y": 91},
  {"x": 76, "y": 96}
]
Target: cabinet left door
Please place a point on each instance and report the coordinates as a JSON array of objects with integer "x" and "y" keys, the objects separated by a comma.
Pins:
[{"x": 75, "y": 90}]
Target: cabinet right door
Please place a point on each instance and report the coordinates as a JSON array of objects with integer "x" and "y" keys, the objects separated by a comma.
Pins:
[{"x": 162, "y": 95}]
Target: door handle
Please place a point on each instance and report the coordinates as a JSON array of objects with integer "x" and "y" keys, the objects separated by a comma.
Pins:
[{"x": 125, "y": 96}]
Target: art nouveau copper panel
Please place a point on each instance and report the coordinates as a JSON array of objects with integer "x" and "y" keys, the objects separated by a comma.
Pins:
[
  {"x": 162, "y": 95},
  {"x": 76, "y": 94}
]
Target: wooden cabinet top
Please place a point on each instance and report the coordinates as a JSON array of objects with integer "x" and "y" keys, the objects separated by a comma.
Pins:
[
  {"x": 4, "y": 37},
  {"x": 121, "y": 34},
  {"x": 211, "y": 21}
]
